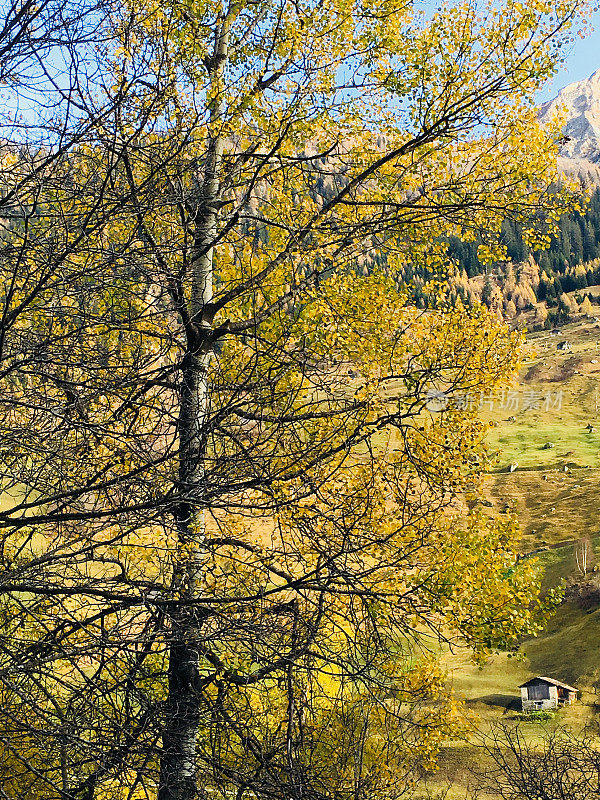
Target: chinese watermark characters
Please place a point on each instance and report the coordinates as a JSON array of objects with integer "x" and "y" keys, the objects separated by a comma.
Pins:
[{"x": 507, "y": 400}]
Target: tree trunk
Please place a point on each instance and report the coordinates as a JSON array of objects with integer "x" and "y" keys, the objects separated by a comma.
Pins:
[
  {"x": 178, "y": 763},
  {"x": 178, "y": 767}
]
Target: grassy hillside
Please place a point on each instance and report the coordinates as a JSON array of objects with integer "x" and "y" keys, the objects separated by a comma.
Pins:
[
  {"x": 541, "y": 428},
  {"x": 555, "y": 492}
]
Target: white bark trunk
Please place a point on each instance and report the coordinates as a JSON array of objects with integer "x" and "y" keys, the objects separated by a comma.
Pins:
[{"x": 178, "y": 773}]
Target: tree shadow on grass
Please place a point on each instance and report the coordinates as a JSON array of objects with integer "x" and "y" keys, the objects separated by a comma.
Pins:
[{"x": 510, "y": 702}]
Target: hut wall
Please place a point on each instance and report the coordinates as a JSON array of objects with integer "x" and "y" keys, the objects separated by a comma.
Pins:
[{"x": 539, "y": 696}]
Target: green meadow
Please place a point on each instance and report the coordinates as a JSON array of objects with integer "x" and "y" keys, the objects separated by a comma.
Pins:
[{"x": 554, "y": 490}]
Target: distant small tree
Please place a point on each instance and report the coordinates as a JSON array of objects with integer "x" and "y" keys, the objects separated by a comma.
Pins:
[
  {"x": 510, "y": 310},
  {"x": 487, "y": 292},
  {"x": 524, "y": 296},
  {"x": 541, "y": 314},
  {"x": 584, "y": 555},
  {"x": 586, "y": 306},
  {"x": 509, "y": 283},
  {"x": 563, "y": 313}
]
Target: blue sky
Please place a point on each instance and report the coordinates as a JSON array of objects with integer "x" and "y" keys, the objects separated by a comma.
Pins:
[{"x": 581, "y": 61}]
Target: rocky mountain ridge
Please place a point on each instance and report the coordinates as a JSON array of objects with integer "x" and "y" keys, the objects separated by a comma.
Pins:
[{"x": 580, "y": 153}]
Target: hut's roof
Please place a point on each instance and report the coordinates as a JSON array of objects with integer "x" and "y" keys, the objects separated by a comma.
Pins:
[{"x": 551, "y": 681}]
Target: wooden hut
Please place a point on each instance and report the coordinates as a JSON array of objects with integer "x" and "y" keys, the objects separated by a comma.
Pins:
[{"x": 541, "y": 693}]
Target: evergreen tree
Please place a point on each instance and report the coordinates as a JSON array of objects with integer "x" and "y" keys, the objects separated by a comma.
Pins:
[{"x": 487, "y": 292}]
